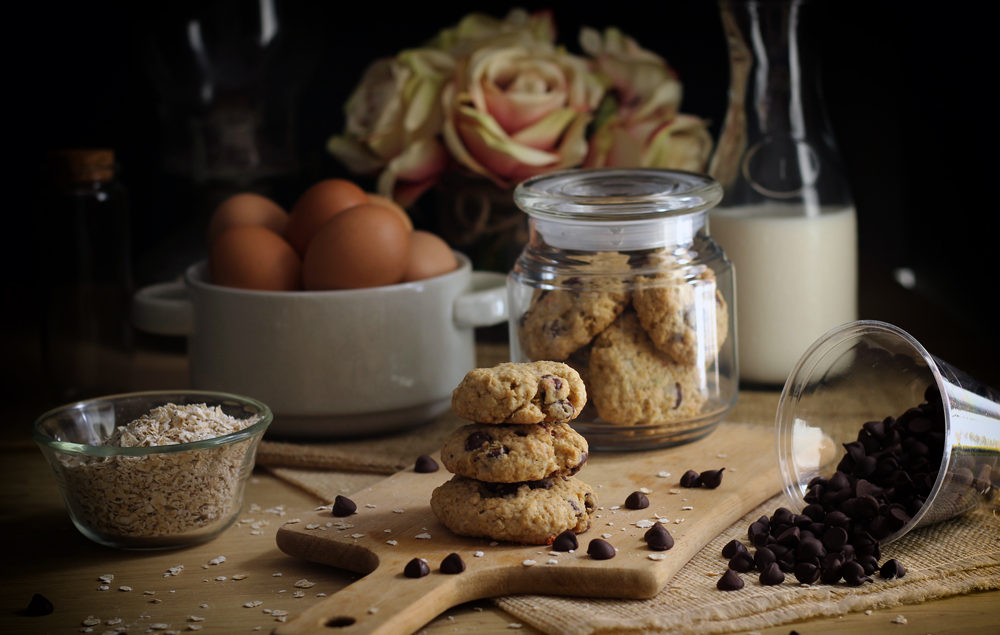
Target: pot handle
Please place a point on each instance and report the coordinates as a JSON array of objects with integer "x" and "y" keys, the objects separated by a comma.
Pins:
[
  {"x": 485, "y": 303},
  {"x": 163, "y": 309}
]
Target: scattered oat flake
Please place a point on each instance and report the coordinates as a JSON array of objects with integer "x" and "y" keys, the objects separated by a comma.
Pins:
[
  {"x": 312, "y": 526},
  {"x": 356, "y": 536},
  {"x": 298, "y": 594},
  {"x": 114, "y": 620},
  {"x": 252, "y": 604},
  {"x": 663, "y": 474},
  {"x": 240, "y": 576},
  {"x": 645, "y": 523},
  {"x": 615, "y": 507},
  {"x": 515, "y": 625},
  {"x": 220, "y": 578},
  {"x": 478, "y": 554},
  {"x": 529, "y": 563},
  {"x": 645, "y": 490},
  {"x": 605, "y": 536},
  {"x": 194, "y": 627},
  {"x": 687, "y": 508},
  {"x": 174, "y": 570},
  {"x": 203, "y": 605},
  {"x": 195, "y": 618},
  {"x": 304, "y": 584},
  {"x": 156, "y": 601},
  {"x": 370, "y": 505},
  {"x": 103, "y": 587},
  {"x": 292, "y": 521},
  {"x": 656, "y": 556},
  {"x": 392, "y": 542},
  {"x": 674, "y": 491},
  {"x": 125, "y": 588},
  {"x": 90, "y": 620},
  {"x": 321, "y": 595},
  {"x": 868, "y": 611},
  {"x": 551, "y": 561},
  {"x": 398, "y": 511},
  {"x": 217, "y": 560},
  {"x": 279, "y": 612},
  {"x": 373, "y": 610},
  {"x": 159, "y": 626},
  {"x": 423, "y": 536},
  {"x": 899, "y": 619},
  {"x": 276, "y": 575},
  {"x": 107, "y": 577}
]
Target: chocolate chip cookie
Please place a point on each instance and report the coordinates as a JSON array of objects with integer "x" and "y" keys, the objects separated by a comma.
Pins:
[
  {"x": 560, "y": 320},
  {"x": 528, "y": 392},
  {"x": 531, "y": 513},
  {"x": 688, "y": 320},
  {"x": 508, "y": 453},
  {"x": 634, "y": 383}
]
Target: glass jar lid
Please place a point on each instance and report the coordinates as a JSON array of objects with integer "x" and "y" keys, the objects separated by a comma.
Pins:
[{"x": 616, "y": 208}]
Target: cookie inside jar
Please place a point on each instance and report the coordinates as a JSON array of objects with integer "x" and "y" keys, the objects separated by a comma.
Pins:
[{"x": 648, "y": 331}]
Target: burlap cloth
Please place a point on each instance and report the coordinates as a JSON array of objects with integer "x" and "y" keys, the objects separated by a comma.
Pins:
[{"x": 952, "y": 558}]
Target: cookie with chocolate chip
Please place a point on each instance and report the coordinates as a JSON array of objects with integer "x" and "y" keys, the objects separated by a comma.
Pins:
[
  {"x": 686, "y": 319},
  {"x": 567, "y": 316},
  {"x": 529, "y": 392},
  {"x": 508, "y": 453},
  {"x": 634, "y": 383},
  {"x": 533, "y": 512}
]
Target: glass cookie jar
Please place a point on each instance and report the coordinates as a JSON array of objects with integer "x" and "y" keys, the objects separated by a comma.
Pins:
[{"x": 621, "y": 280}]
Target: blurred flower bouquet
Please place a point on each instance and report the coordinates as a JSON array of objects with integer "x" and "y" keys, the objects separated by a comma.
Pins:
[{"x": 500, "y": 101}]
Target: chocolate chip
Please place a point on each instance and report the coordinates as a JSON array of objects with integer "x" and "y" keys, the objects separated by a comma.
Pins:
[
  {"x": 497, "y": 451},
  {"x": 830, "y": 569},
  {"x": 711, "y": 478},
  {"x": 690, "y": 479},
  {"x": 742, "y": 561},
  {"x": 425, "y": 464},
  {"x": 566, "y": 541},
  {"x": 637, "y": 500},
  {"x": 452, "y": 564},
  {"x": 658, "y": 538},
  {"x": 343, "y": 506},
  {"x": 600, "y": 549},
  {"x": 476, "y": 440},
  {"x": 730, "y": 581},
  {"x": 416, "y": 568},
  {"x": 679, "y": 395},
  {"x": 806, "y": 572},
  {"x": 892, "y": 569},
  {"x": 854, "y": 574},
  {"x": 38, "y": 606},
  {"x": 772, "y": 575},
  {"x": 763, "y": 558},
  {"x": 834, "y": 538},
  {"x": 732, "y": 548}
]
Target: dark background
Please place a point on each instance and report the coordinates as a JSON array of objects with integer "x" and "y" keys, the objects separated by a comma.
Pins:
[{"x": 909, "y": 87}]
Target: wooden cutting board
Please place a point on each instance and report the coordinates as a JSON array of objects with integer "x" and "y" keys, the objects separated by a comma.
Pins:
[{"x": 394, "y": 520}]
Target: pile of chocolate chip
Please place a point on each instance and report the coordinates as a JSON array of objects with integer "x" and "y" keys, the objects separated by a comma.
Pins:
[{"x": 881, "y": 482}]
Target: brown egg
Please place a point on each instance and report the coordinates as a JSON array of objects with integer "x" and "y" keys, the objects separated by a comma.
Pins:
[
  {"x": 364, "y": 246},
  {"x": 247, "y": 208},
  {"x": 252, "y": 257},
  {"x": 316, "y": 206},
  {"x": 378, "y": 199},
  {"x": 429, "y": 256}
]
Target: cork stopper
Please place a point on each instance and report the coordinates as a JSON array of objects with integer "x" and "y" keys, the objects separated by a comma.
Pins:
[{"x": 82, "y": 165}]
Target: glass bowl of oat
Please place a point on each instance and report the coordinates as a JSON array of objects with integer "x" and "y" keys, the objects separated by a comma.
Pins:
[{"x": 153, "y": 470}]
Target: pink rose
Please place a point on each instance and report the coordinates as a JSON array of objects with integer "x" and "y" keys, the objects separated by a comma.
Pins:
[
  {"x": 512, "y": 112},
  {"x": 643, "y": 128},
  {"x": 393, "y": 120}
]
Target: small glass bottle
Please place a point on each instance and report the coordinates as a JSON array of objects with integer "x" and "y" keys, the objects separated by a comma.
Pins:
[
  {"x": 621, "y": 281},
  {"x": 786, "y": 219},
  {"x": 85, "y": 273}
]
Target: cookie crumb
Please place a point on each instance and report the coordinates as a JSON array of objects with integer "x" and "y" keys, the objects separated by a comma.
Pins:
[
  {"x": 372, "y": 610},
  {"x": 392, "y": 543},
  {"x": 423, "y": 536},
  {"x": 899, "y": 619},
  {"x": 304, "y": 584},
  {"x": 663, "y": 474},
  {"x": 528, "y": 563},
  {"x": 515, "y": 625},
  {"x": 656, "y": 556},
  {"x": 478, "y": 554}
]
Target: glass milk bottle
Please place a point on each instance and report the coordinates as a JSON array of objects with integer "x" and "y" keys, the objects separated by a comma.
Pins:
[{"x": 786, "y": 220}]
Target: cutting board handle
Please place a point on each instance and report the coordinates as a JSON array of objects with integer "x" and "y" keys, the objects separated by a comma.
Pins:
[{"x": 385, "y": 601}]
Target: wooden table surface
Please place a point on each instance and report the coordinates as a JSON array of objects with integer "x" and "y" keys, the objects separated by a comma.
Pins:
[{"x": 46, "y": 555}]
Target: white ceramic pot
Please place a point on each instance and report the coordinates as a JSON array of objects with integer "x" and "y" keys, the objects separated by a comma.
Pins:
[{"x": 331, "y": 363}]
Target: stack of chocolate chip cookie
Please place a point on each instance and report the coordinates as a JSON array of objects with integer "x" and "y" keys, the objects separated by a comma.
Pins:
[{"x": 514, "y": 465}]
